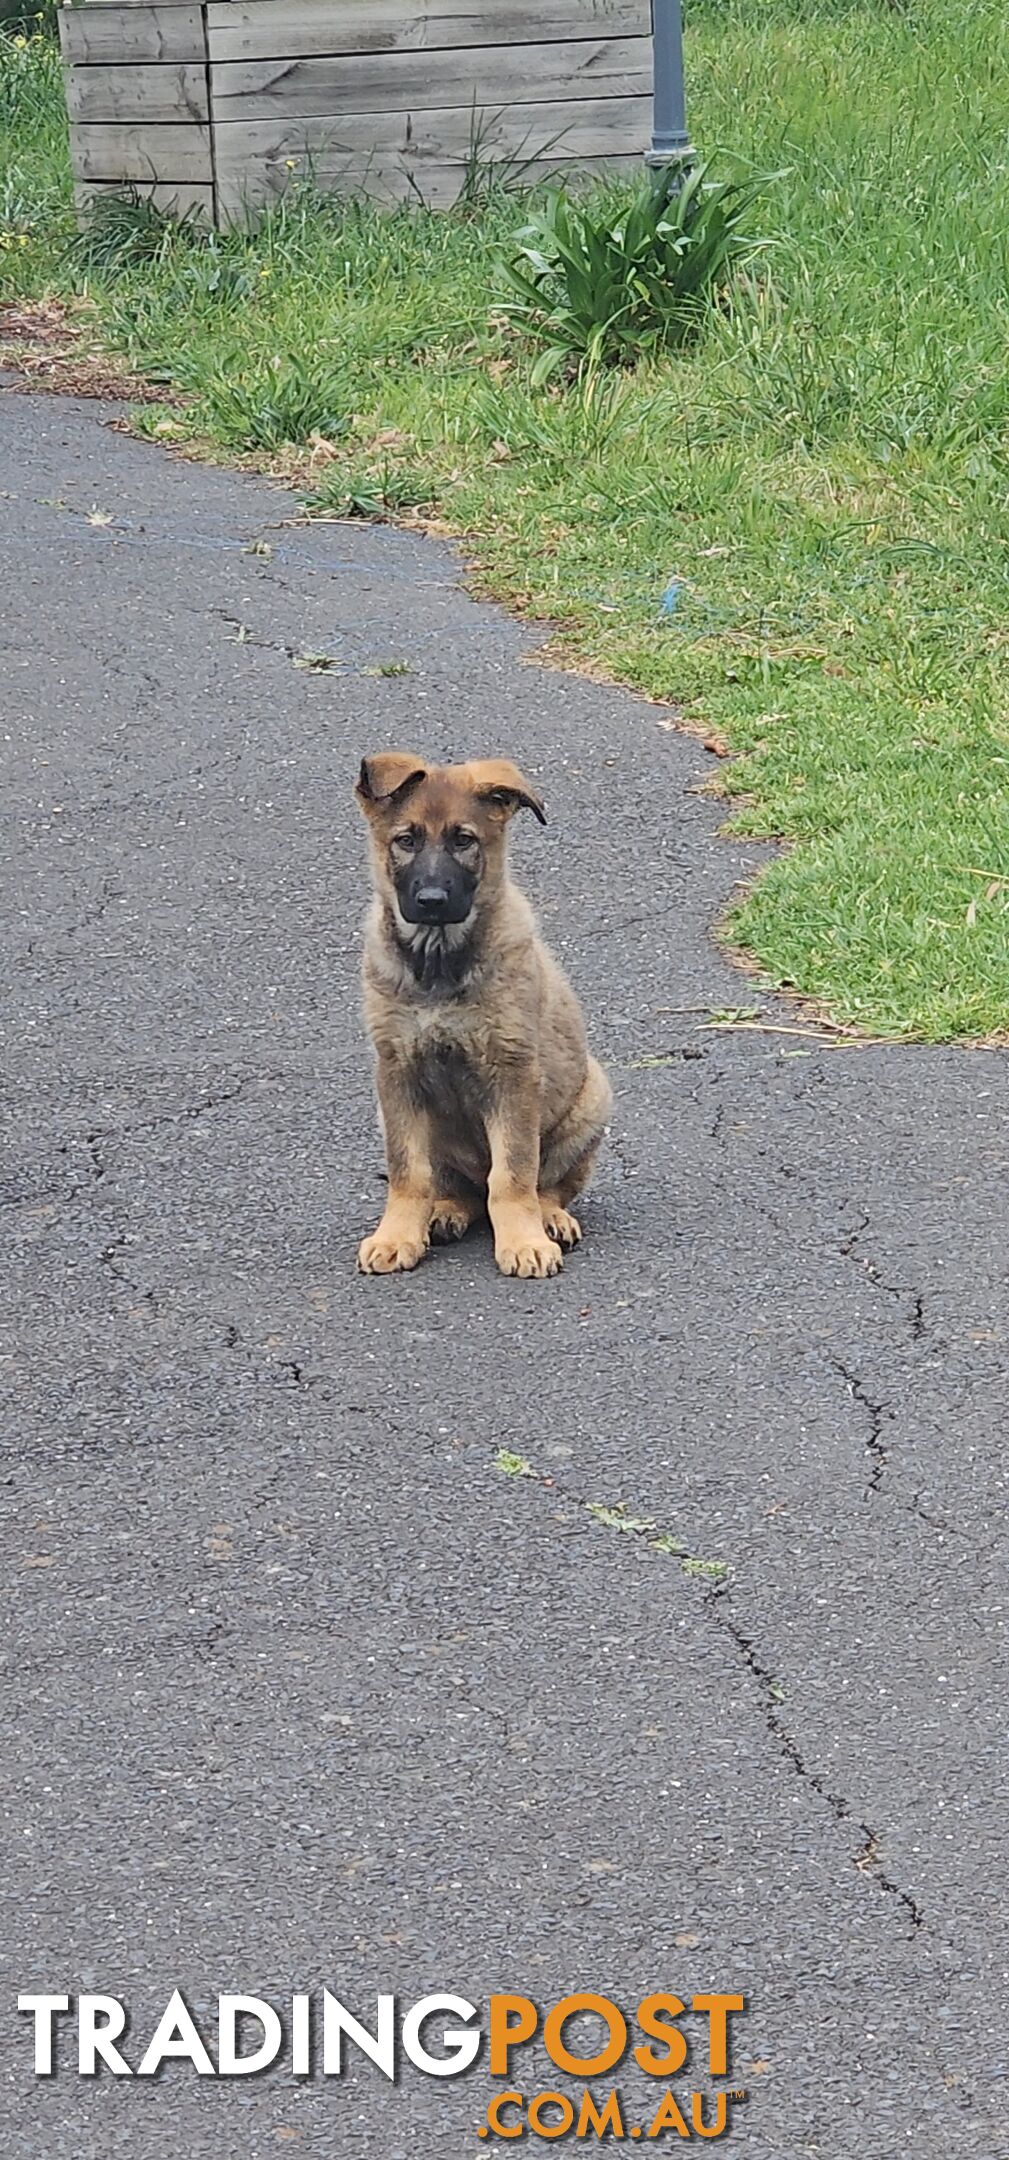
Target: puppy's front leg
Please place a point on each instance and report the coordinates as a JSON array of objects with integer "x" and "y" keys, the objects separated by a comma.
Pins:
[
  {"x": 402, "y": 1236},
  {"x": 521, "y": 1245}
]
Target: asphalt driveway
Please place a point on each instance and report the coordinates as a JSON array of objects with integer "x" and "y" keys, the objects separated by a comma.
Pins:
[{"x": 301, "y": 1687}]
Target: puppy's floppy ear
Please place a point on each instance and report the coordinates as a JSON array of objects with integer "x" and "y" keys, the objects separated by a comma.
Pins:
[
  {"x": 498, "y": 782},
  {"x": 385, "y": 776}
]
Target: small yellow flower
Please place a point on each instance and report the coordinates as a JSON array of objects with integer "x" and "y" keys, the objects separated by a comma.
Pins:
[{"x": 290, "y": 163}]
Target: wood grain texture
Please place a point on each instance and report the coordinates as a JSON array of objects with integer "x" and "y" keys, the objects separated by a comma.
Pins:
[
  {"x": 264, "y": 29},
  {"x": 126, "y": 151},
  {"x": 394, "y": 157},
  {"x": 128, "y": 33},
  {"x": 167, "y": 91},
  {"x": 564, "y": 131},
  {"x": 492, "y": 77}
]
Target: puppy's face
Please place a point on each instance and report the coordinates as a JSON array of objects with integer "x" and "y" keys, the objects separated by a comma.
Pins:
[{"x": 438, "y": 832}]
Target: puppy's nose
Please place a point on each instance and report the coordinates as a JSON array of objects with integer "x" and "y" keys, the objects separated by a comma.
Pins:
[{"x": 431, "y": 901}]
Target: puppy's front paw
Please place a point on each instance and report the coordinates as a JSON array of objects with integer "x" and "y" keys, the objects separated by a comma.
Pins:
[
  {"x": 532, "y": 1255},
  {"x": 389, "y": 1254}
]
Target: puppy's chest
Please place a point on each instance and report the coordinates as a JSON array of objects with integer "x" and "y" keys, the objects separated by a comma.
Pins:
[{"x": 449, "y": 1067}]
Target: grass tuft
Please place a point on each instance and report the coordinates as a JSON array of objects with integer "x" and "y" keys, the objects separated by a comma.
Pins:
[{"x": 598, "y": 284}]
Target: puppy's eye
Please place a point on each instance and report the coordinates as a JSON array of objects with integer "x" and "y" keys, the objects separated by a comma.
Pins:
[
  {"x": 405, "y": 842},
  {"x": 460, "y": 840}
]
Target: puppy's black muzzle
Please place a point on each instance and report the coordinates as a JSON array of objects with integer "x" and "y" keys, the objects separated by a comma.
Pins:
[{"x": 435, "y": 889}]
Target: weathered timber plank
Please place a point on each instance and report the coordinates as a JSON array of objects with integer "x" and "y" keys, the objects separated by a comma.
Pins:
[
  {"x": 119, "y": 150},
  {"x": 392, "y": 156},
  {"x": 264, "y": 29},
  {"x": 181, "y": 198},
  {"x": 492, "y": 77},
  {"x": 385, "y": 181},
  {"x": 128, "y": 32},
  {"x": 599, "y": 127},
  {"x": 168, "y": 92}
]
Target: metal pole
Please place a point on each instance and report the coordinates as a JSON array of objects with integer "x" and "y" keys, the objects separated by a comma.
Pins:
[{"x": 671, "y": 144}]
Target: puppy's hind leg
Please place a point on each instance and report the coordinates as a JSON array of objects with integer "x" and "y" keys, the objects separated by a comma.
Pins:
[{"x": 569, "y": 1155}]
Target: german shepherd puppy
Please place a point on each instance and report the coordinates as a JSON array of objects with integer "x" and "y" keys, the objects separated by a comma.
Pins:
[{"x": 487, "y": 1094}]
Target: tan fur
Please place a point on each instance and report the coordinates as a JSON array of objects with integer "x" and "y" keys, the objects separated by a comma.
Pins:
[{"x": 488, "y": 1096}]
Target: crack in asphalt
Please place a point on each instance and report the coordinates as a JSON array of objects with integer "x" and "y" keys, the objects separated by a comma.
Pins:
[
  {"x": 617, "y": 1146},
  {"x": 24, "y": 1196},
  {"x": 321, "y": 663},
  {"x": 297, "y": 1376},
  {"x": 215, "y": 1101},
  {"x": 878, "y": 1413},
  {"x": 899, "y": 1291},
  {"x": 250, "y": 637},
  {"x": 869, "y": 1862},
  {"x": 110, "y": 1258},
  {"x": 867, "y": 1857},
  {"x": 95, "y": 1168}
]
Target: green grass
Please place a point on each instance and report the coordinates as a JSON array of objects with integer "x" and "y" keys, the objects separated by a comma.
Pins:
[
  {"x": 34, "y": 168},
  {"x": 819, "y": 482}
]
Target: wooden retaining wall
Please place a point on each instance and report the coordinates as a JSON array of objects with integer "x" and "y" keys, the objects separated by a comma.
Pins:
[{"x": 210, "y": 106}]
